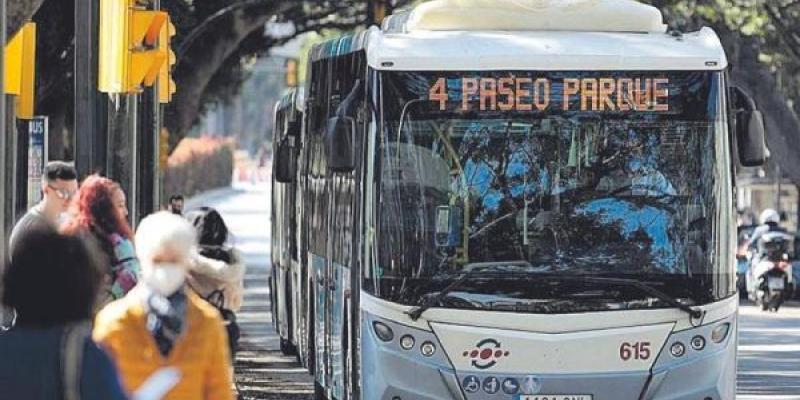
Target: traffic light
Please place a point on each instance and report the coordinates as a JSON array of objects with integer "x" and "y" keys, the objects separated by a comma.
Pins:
[
  {"x": 291, "y": 72},
  {"x": 166, "y": 86},
  {"x": 377, "y": 11},
  {"x": 128, "y": 57},
  {"x": 163, "y": 149},
  {"x": 20, "y": 69}
]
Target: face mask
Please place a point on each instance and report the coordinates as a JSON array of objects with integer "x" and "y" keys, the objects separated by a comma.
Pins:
[{"x": 165, "y": 279}]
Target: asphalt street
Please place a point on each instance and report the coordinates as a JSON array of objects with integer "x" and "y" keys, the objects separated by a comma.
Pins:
[
  {"x": 769, "y": 343},
  {"x": 769, "y": 353}
]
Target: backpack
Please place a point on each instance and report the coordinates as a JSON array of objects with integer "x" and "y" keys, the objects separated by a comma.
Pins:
[{"x": 217, "y": 299}]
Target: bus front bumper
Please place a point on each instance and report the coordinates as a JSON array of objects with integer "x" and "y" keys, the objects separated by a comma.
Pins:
[{"x": 392, "y": 372}]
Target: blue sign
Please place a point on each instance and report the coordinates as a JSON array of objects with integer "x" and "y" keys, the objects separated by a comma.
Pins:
[
  {"x": 491, "y": 385},
  {"x": 510, "y": 386},
  {"x": 531, "y": 385},
  {"x": 471, "y": 384},
  {"x": 37, "y": 157}
]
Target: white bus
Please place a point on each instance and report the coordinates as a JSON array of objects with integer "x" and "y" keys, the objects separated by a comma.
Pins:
[
  {"x": 285, "y": 132},
  {"x": 519, "y": 200}
]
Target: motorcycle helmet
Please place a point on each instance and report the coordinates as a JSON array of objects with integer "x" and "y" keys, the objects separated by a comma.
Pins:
[{"x": 769, "y": 216}]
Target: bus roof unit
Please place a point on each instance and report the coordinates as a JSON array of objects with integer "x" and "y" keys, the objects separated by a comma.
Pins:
[
  {"x": 536, "y": 15},
  {"x": 539, "y": 35}
]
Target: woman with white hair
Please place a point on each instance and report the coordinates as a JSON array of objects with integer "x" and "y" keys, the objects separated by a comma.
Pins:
[{"x": 161, "y": 323}]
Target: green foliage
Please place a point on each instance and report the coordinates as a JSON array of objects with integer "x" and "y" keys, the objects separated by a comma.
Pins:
[
  {"x": 771, "y": 25},
  {"x": 309, "y": 41}
]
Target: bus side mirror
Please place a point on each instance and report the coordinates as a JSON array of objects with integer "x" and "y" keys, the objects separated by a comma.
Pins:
[
  {"x": 284, "y": 162},
  {"x": 749, "y": 125},
  {"x": 340, "y": 144}
]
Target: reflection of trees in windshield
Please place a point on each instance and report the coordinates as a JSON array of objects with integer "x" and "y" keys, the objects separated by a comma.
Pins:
[{"x": 589, "y": 194}]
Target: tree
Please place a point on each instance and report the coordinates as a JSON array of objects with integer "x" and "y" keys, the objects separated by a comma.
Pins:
[
  {"x": 211, "y": 68},
  {"x": 762, "y": 42}
]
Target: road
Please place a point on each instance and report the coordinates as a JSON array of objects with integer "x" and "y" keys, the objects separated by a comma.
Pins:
[
  {"x": 769, "y": 354},
  {"x": 262, "y": 372},
  {"x": 769, "y": 343}
]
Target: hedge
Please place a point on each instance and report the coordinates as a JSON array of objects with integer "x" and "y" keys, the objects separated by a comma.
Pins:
[{"x": 198, "y": 165}]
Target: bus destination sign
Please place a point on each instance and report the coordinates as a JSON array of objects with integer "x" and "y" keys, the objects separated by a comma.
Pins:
[{"x": 529, "y": 93}]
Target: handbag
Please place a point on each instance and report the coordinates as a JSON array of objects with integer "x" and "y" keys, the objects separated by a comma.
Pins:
[
  {"x": 72, "y": 343},
  {"x": 217, "y": 299}
]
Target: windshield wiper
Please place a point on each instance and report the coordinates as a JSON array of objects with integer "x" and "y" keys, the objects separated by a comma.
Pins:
[
  {"x": 470, "y": 270},
  {"x": 417, "y": 311},
  {"x": 693, "y": 312}
]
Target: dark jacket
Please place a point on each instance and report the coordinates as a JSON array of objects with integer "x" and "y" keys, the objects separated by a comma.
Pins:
[{"x": 30, "y": 367}]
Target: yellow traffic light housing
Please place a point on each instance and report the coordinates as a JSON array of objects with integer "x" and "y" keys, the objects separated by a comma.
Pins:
[
  {"x": 20, "y": 69},
  {"x": 163, "y": 149},
  {"x": 166, "y": 86},
  {"x": 291, "y": 72},
  {"x": 128, "y": 35},
  {"x": 378, "y": 11}
]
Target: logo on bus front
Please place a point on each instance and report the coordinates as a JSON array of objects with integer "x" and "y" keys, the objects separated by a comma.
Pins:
[{"x": 486, "y": 354}]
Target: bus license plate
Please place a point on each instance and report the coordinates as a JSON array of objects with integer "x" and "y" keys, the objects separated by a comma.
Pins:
[
  {"x": 555, "y": 397},
  {"x": 775, "y": 283}
]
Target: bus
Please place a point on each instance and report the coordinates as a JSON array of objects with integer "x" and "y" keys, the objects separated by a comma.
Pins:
[
  {"x": 284, "y": 271},
  {"x": 497, "y": 200}
]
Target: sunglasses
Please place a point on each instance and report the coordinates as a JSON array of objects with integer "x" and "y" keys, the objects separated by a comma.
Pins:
[{"x": 62, "y": 194}]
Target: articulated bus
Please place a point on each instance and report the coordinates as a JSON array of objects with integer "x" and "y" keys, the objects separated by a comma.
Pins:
[{"x": 500, "y": 201}]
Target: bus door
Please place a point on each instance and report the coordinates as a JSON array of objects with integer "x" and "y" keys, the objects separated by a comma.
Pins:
[
  {"x": 319, "y": 265},
  {"x": 339, "y": 283},
  {"x": 319, "y": 271}
]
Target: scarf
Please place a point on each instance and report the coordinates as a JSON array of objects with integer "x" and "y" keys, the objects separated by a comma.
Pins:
[{"x": 166, "y": 318}]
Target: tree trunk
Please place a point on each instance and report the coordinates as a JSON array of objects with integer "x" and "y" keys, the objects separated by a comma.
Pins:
[{"x": 199, "y": 66}]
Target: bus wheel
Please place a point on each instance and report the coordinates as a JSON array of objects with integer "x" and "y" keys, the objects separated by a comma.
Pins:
[
  {"x": 287, "y": 348},
  {"x": 319, "y": 392}
]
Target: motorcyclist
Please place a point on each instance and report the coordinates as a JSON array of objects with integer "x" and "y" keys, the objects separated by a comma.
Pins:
[
  {"x": 770, "y": 221},
  {"x": 768, "y": 244}
]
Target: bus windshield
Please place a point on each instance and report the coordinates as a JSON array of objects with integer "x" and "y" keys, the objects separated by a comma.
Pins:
[{"x": 615, "y": 174}]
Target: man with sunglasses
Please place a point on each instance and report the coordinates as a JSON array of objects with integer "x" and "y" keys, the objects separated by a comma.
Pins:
[{"x": 59, "y": 185}]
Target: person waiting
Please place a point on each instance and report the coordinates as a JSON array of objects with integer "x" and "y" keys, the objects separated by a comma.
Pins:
[
  {"x": 52, "y": 282},
  {"x": 161, "y": 323}
]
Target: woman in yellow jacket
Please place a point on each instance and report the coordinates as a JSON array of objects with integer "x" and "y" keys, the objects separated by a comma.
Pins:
[{"x": 162, "y": 324}]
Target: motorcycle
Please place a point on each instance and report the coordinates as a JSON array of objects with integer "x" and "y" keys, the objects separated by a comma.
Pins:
[{"x": 770, "y": 276}]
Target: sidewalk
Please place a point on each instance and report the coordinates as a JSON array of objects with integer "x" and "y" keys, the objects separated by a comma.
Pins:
[{"x": 210, "y": 197}]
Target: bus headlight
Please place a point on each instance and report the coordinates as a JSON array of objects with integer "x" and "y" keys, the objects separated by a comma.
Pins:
[
  {"x": 677, "y": 349},
  {"x": 383, "y": 331},
  {"x": 407, "y": 342},
  {"x": 427, "y": 349},
  {"x": 720, "y": 332},
  {"x": 698, "y": 342}
]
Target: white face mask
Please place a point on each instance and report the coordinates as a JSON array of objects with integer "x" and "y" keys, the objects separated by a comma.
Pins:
[{"x": 165, "y": 279}]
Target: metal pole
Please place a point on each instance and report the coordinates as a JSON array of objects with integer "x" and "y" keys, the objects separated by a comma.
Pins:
[
  {"x": 3, "y": 162},
  {"x": 133, "y": 146},
  {"x": 89, "y": 143},
  {"x": 122, "y": 143},
  {"x": 154, "y": 153},
  {"x": 777, "y": 188}
]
